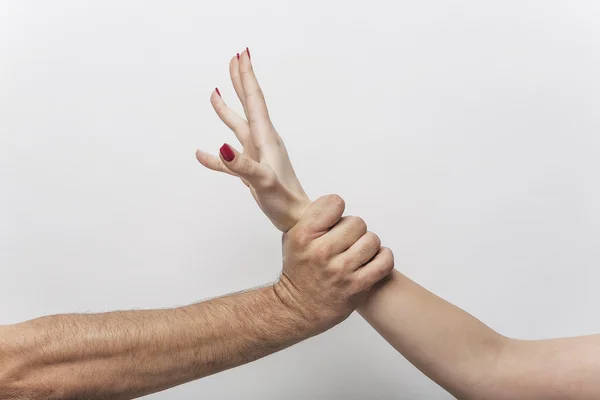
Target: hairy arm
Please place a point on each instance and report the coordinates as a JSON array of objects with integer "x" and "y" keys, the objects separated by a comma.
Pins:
[
  {"x": 472, "y": 361},
  {"x": 122, "y": 355}
]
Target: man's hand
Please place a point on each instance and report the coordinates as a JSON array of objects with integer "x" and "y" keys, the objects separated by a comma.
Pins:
[
  {"x": 327, "y": 271},
  {"x": 264, "y": 165},
  {"x": 127, "y": 354}
]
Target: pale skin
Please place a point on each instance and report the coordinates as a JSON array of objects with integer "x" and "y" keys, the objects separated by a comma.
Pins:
[
  {"x": 328, "y": 269},
  {"x": 453, "y": 348}
]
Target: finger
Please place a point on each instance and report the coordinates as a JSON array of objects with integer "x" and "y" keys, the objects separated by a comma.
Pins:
[
  {"x": 376, "y": 269},
  {"x": 362, "y": 251},
  {"x": 322, "y": 214},
  {"x": 211, "y": 162},
  {"x": 256, "y": 107},
  {"x": 234, "y": 73},
  {"x": 237, "y": 124},
  {"x": 259, "y": 176},
  {"x": 345, "y": 233}
]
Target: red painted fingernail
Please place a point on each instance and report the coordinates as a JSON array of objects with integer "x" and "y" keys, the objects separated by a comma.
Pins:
[
  {"x": 219, "y": 93},
  {"x": 238, "y": 55},
  {"x": 227, "y": 153},
  {"x": 248, "y": 51}
]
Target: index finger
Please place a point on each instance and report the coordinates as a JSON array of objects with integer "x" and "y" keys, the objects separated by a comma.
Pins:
[
  {"x": 322, "y": 214},
  {"x": 255, "y": 104}
]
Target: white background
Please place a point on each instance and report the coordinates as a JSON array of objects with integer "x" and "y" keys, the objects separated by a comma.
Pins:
[{"x": 466, "y": 133}]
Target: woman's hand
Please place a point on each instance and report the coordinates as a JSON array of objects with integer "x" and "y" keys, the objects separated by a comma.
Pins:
[{"x": 263, "y": 165}]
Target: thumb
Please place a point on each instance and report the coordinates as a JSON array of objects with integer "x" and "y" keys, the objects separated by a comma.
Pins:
[
  {"x": 322, "y": 214},
  {"x": 259, "y": 176}
]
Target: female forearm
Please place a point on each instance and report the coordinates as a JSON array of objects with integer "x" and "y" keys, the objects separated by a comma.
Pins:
[
  {"x": 122, "y": 355},
  {"x": 449, "y": 345},
  {"x": 472, "y": 361}
]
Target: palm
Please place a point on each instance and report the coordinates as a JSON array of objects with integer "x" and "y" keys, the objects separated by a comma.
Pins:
[{"x": 263, "y": 165}]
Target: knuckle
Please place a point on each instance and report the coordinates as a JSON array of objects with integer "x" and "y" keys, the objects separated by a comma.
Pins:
[
  {"x": 344, "y": 264},
  {"x": 372, "y": 241},
  {"x": 301, "y": 237},
  {"x": 255, "y": 93},
  {"x": 367, "y": 281},
  {"x": 336, "y": 200},
  {"x": 384, "y": 271},
  {"x": 339, "y": 272},
  {"x": 271, "y": 143},
  {"x": 388, "y": 259},
  {"x": 352, "y": 220},
  {"x": 388, "y": 268},
  {"x": 278, "y": 141},
  {"x": 316, "y": 213},
  {"x": 246, "y": 166},
  {"x": 377, "y": 270},
  {"x": 322, "y": 252},
  {"x": 257, "y": 144},
  {"x": 347, "y": 223},
  {"x": 359, "y": 224},
  {"x": 269, "y": 182},
  {"x": 329, "y": 271}
]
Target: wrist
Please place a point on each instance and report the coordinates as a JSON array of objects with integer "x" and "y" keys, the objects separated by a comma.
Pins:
[
  {"x": 288, "y": 300},
  {"x": 309, "y": 316},
  {"x": 381, "y": 292}
]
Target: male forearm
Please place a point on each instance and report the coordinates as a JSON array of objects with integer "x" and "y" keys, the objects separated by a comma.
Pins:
[
  {"x": 450, "y": 346},
  {"x": 123, "y": 355}
]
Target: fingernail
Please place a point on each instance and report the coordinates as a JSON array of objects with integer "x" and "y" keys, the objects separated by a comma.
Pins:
[
  {"x": 238, "y": 55},
  {"x": 219, "y": 93},
  {"x": 248, "y": 51},
  {"x": 227, "y": 153}
]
